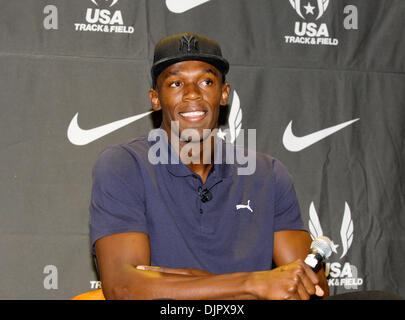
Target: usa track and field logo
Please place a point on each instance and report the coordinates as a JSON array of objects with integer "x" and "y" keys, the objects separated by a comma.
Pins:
[
  {"x": 308, "y": 30},
  {"x": 104, "y": 18},
  {"x": 337, "y": 272}
]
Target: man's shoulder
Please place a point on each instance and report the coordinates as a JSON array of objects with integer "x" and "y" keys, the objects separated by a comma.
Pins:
[
  {"x": 266, "y": 165},
  {"x": 138, "y": 147},
  {"x": 124, "y": 154},
  {"x": 267, "y": 160},
  {"x": 263, "y": 160},
  {"x": 278, "y": 169}
]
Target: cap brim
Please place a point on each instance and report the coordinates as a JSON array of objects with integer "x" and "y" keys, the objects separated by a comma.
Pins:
[{"x": 220, "y": 63}]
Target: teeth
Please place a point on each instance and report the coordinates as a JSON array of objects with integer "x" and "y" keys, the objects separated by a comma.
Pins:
[{"x": 193, "y": 114}]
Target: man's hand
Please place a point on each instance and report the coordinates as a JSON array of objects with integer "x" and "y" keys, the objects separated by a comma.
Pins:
[
  {"x": 293, "y": 281},
  {"x": 290, "y": 245}
]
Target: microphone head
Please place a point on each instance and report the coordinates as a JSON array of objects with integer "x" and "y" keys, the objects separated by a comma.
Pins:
[
  {"x": 323, "y": 245},
  {"x": 206, "y": 195}
]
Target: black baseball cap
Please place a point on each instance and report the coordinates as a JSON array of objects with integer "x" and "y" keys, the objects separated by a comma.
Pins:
[{"x": 187, "y": 46}]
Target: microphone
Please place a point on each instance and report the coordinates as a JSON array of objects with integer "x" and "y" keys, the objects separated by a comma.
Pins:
[
  {"x": 321, "y": 249},
  {"x": 205, "y": 195}
]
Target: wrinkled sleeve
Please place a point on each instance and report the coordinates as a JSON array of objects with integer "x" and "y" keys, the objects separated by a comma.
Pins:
[
  {"x": 287, "y": 210},
  {"x": 117, "y": 198}
]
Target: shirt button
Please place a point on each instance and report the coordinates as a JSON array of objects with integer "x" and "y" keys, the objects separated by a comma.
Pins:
[{"x": 201, "y": 211}]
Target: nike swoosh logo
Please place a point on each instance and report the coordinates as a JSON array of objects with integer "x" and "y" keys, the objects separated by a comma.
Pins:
[
  {"x": 294, "y": 143},
  {"x": 113, "y": 2},
  {"x": 81, "y": 137},
  {"x": 180, "y": 6}
]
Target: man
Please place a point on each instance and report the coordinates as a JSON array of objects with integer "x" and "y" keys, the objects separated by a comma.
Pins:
[{"x": 195, "y": 229}]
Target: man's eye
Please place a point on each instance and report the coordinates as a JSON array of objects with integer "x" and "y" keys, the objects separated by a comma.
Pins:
[
  {"x": 208, "y": 82},
  {"x": 175, "y": 84}
]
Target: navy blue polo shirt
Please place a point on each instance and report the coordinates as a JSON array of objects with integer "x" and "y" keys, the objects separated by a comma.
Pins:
[{"x": 232, "y": 232}]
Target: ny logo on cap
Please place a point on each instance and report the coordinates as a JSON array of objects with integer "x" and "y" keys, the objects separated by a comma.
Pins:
[{"x": 189, "y": 44}]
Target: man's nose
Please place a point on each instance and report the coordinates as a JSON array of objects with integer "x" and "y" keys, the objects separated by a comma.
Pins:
[{"x": 192, "y": 92}]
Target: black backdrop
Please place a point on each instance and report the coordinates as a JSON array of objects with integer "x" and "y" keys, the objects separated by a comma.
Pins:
[{"x": 315, "y": 63}]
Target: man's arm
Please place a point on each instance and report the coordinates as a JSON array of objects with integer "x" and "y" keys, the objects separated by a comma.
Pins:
[{"x": 119, "y": 255}]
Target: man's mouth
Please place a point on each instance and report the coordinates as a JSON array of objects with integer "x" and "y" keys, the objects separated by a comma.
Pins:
[{"x": 193, "y": 115}]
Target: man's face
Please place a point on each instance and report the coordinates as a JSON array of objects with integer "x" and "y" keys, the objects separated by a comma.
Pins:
[{"x": 191, "y": 93}]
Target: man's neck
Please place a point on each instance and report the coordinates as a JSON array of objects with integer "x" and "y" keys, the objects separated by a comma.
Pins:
[{"x": 198, "y": 156}]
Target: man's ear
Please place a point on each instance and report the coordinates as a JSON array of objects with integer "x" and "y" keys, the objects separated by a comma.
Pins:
[
  {"x": 154, "y": 100},
  {"x": 226, "y": 88}
]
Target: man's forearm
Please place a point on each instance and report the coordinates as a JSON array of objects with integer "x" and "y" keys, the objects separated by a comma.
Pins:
[
  {"x": 193, "y": 272},
  {"x": 146, "y": 284}
]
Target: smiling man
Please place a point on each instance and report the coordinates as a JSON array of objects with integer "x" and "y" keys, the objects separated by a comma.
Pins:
[
  {"x": 197, "y": 229},
  {"x": 189, "y": 87}
]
